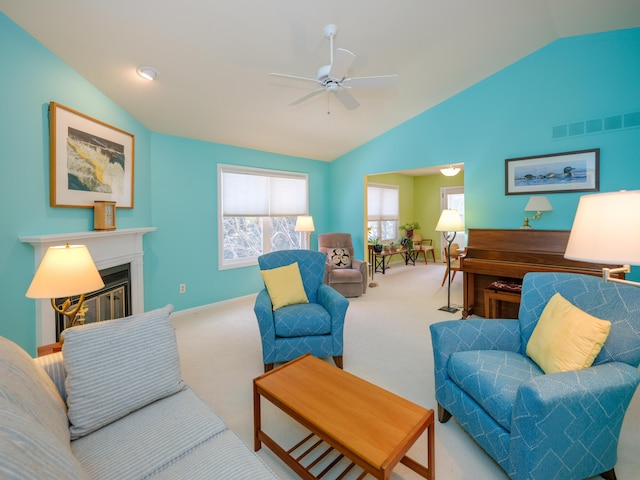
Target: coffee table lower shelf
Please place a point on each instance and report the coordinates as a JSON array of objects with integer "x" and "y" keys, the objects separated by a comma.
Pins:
[{"x": 312, "y": 458}]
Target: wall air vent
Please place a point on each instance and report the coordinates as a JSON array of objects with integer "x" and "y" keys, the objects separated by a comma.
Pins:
[{"x": 596, "y": 125}]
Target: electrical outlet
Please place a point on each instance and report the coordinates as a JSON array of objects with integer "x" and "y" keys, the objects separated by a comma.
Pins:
[{"x": 183, "y": 288}]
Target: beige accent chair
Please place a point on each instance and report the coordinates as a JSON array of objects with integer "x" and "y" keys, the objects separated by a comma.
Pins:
[
  {"x": 423, "y": 246},
  {"x": 350, "y": 282}
]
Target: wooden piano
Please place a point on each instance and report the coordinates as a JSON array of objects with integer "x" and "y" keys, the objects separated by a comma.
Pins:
[{"x": 509, "y": 254}]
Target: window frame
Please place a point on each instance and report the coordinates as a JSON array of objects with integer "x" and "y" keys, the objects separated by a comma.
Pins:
[
  {"x": 266, "y": 220},
  {"x": 381, "y": 217}
]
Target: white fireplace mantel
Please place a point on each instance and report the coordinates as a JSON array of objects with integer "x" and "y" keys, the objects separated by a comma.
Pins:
[{"x": 108, "y": 249}]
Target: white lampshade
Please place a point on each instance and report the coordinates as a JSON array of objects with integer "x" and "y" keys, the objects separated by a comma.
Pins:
[
  {"x": 606, "y": 229},
  {"x": 538, "y": 203},
  {"x": 304, "y": 223},
  {"x": 450, "y": 171},
  {"x": 65, "y": 271},
  {"x": 450, "y": 221}
]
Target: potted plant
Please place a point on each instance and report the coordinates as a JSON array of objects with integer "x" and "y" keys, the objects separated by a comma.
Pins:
[
  {"x": 407, "y": 243},
  {"x": 393, "y": 246},
  {"x": 386, "y": 247},
  {"x": 408, "y": 228}
]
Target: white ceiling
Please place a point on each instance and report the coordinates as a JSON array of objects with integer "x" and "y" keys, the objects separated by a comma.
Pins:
[{"x": 214, "y": 56}]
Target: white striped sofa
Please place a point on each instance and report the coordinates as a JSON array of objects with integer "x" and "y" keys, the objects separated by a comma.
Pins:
[{"x": 112, "y": 405}]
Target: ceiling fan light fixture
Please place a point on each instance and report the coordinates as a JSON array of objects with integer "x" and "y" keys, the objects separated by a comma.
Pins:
[
  {"x": 450, "y": 171},
  {"x": 147, "y": 72}
]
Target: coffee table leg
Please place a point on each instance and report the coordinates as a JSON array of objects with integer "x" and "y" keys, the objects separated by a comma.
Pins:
[
  {"x": 428, "y": 472},
  {"x": 257, "y": 444}
]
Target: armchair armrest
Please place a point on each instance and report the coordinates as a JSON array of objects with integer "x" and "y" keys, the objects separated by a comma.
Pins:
[
  {"x": 263, "y": 309},
  {"x": 333, "y": 302},
  {"x": 461, "y": 335},
  {"x": 573, "y": 416}
]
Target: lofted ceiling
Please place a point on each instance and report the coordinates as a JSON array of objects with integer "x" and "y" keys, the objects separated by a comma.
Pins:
[{"x": 214, "y": 58}]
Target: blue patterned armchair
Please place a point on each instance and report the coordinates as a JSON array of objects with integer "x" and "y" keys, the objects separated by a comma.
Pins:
[
  {"x": 535, "y": 425},
  {"x": 316, "y": 327}
]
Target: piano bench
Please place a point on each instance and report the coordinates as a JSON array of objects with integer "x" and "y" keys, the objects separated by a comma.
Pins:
[{"x": 500, "y": 291}]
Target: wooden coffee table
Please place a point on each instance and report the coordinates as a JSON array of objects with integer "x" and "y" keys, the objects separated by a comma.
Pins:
[{"x": 370, "y": 426}]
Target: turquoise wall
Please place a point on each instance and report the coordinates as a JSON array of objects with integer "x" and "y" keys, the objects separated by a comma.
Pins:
[
  {"x": 512, "y": 114},
  {"x": 31, "y": 77},
  {"x": 176, "y": 191},
  {"x": 185, "y": 210}
]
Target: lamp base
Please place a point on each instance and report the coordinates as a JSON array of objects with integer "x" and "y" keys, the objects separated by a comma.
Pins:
[{"x": 449, "y": 309}]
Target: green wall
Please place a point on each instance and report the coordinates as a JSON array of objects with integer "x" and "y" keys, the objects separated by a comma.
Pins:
[{"x": 420, "y": 200}]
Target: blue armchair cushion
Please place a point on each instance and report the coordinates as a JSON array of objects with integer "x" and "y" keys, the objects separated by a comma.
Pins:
[
  {"x": 302, "y": 320},
  {"x": 492, "y": 379},
  {"x": 566, "y": 338}
]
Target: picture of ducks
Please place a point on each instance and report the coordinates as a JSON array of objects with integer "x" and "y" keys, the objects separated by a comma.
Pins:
[
  {"x": 565, "y": 174},
  {"x": 559, "y": 172},
  {"x": 548, "y": 174}
]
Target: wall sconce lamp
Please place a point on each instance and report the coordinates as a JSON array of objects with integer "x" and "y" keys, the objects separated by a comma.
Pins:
[
  {"x": 65, "y": 271},
  {"x": 450, "y": 171},
  {"x": 450, "y": 223},
  {"x": 147, "y": 72},
  {"x": 304, "y": 224},
  {"x": 538, "y": 204},
  {"x": 606, "y": 230}
]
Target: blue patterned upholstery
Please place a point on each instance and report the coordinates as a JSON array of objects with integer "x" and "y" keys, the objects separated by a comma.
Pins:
[
  {"x": 316, "y": 327},
  {"x": 536, "y": 426}
]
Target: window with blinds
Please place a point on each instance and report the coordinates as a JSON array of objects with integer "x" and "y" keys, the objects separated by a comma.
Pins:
[
  {"x": 257, "y": 212},
  {"x": 383, "y": 211}
]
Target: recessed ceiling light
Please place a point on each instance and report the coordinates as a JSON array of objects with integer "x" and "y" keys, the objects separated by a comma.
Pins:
[{"x": 147, "y": 72}]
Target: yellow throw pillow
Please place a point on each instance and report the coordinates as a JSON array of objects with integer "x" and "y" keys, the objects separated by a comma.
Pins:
[
  {"x": 284, "y": 285},
  {"x": 566, "y": 338}
]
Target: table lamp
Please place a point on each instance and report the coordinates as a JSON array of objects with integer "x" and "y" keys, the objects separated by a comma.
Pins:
[
  {"x": 606, "y": 230},
  {"x": 304, "y": 224},
  {"x": 65, "y": 271},
  {"x": 538, "y": 204},
  {"x": 450, "y": 223}
]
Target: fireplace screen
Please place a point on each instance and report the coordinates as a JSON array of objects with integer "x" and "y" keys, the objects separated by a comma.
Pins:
[{"x": 111, "y": 302}]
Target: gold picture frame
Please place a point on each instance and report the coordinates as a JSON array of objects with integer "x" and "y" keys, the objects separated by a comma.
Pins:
[{"x": 89, "y": 160}]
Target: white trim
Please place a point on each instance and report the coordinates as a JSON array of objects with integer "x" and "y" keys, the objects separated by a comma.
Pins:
[{"x": 108, "y": 249}]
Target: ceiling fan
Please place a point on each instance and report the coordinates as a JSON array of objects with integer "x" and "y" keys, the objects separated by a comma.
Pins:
[{"x": 333, "y": 78}]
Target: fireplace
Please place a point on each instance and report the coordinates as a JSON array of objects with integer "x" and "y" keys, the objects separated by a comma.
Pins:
[
  {"x": 108, "y": 249},
  {"x": 110, "y": 302}
]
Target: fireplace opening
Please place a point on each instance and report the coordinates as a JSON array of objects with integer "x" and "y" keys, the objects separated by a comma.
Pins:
[{"x": 110, "y": 302}]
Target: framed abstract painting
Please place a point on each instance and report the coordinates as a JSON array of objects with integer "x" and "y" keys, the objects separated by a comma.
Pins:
[
  {"x": 577, "y": 171},
  {"x": 89, "y": 160}
]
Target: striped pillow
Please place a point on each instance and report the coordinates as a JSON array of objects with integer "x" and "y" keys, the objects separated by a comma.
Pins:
[{"x": 116, "y": 367}]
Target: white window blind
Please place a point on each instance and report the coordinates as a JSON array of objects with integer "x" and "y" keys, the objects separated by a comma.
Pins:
[
  {"x": 262, "y": 193},
  {"x": 383, "y": 202}
]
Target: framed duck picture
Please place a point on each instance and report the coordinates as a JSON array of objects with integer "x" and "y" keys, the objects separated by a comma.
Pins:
[{"x": 577, "y": 171}]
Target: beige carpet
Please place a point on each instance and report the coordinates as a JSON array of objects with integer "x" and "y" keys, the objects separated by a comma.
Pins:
[{"x": 387, "y": 342}]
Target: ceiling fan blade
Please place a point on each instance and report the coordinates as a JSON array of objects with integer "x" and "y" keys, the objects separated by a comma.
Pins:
[
  {"x": 342, "y": 61},
  {"x": 307, "y": 96},
  {"x": 380, "y": 81},
  {"x": 294, "y": 77},
  {"x": 347, "y": 99}
]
